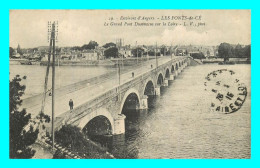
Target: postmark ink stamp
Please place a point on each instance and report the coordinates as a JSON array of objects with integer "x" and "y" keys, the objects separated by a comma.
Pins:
[{"x": 226, "y": 92}]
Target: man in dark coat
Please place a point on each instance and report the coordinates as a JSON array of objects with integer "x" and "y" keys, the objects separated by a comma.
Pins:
[{"x": 71, "y": 104}]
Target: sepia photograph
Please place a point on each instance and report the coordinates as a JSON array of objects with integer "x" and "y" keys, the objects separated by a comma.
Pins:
[{"x": 129, "y": 84}]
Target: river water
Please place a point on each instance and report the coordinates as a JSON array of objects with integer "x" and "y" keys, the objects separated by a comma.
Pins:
[
  {"x": 178, "y": 124},
  {"x": 65, "y": 75},
  {"x": 181, "y": 124}
]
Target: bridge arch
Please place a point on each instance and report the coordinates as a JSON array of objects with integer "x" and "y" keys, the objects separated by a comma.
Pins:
[
  {"x": 131, "y": 92},
  {"x": 149, "y": 87},
  {"x": 160, "y": 79},
  {"x": 149, "y": 91},
  {"x": 101, "y": 114},
  {"x": 172, "y": 69},
  {"x": 167, "y": 73}
]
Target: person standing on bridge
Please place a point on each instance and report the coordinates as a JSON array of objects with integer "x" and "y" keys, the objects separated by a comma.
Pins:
[{"x": 71, "y": 104}]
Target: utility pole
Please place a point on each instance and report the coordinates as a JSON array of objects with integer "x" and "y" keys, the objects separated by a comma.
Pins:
[
  {"x": 48, "y": 67},
  {"x": 156, "y": 56},
  {"x": 164, "y": 50},
  {"x": 53, "y": 39},
  {"x": 142, "y": 63},
  {"x": 147, "y": 56},
  {"x": 136, "y": 52},
  {"x": 53, "y": 85},
  {"x": 119, "y": 42},
  {"x": 171, "y": 51},
  {"x": 119, "y": 82},
  {"x": 122, "y": 59}
]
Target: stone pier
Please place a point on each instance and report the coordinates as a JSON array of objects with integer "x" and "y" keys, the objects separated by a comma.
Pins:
[
  {"x": 119, "y": 124},
  {"x": 171, "y": 77},
  {"x": 144, "y": 103},
  {"x": 166, "y": 82},
  {"x": 157, "y": 91}
]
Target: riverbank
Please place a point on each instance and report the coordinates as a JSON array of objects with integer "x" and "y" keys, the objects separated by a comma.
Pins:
[
  {"x": 93, "y": 150},
  {"x": 106, "y": 63},
  {"x": 230, "y": 61}
]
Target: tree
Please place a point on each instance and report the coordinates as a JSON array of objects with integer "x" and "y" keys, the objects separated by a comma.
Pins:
[
  {"x": 90, "y": 45},
  {"x": 20, "y": 139},
  {"x": 164, "y": 51},
  {"x": 152, "y": 53},
  {"x": 19, "y": 50},
  {"x": 247, "y": 52},
  {"x": 77, "y": 48},
  {"x": 198, "y": 55},
  {"x": 107, "y": 45},
  {"x": 74, "y": 139},
  {"x": 70, "y": 137},
  {"x": 208, "y": 53},
  {"x": 140, "y": 52},
  {"x": 11, "y": 52},
  {"x": 238, "y": 51},
  {"x": 59, "y": 155},
  {"x": 225, "y": 51},
  {"x": 111, "y": 52}
]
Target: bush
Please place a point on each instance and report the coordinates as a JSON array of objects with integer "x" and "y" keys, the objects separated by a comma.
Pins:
[{"x": 198, "y": 55}]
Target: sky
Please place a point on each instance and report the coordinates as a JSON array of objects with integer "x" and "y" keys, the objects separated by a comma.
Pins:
[{"x": 77, "y": 27}]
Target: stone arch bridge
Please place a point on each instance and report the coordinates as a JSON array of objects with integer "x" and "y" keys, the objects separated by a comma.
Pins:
[{"x": 134, "y": 92}]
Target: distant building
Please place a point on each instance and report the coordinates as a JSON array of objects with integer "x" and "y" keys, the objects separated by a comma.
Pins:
[
  {"x": 65, "y": 56},
  {"x": 125, "y": 51},
  {"x": 89, "y": 55},
  {"x": 193, "y": 52},
  {"x": 208, "y": 51},
  {"x": 16, "y": 55},
  {"x": 17, "y": 52},
  {"x": 100, "y": 52},
  {"x": 181, "y": 51},
  {"x": 43, "y": 49}
]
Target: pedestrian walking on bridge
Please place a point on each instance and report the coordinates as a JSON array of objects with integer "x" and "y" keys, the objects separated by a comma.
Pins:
[{"x": 71, "y": 104}]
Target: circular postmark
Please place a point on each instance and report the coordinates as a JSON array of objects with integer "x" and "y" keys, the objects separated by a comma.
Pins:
[{"x": 226, "y": 92}]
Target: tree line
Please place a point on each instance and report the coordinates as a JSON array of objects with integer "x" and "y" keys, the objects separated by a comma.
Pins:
[{"x": 226, "y": 51}]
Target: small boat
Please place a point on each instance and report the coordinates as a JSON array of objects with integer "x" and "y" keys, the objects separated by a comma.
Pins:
[{"x": 26, "y": 62}]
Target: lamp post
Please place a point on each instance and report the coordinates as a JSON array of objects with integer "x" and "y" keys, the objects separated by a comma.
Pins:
[
  {"x": 156, "y": 56},
  {"x": 171, "y": 51}
]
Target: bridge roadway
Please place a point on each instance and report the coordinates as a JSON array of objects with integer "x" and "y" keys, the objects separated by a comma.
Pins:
[{"x": 91, "y": 92}]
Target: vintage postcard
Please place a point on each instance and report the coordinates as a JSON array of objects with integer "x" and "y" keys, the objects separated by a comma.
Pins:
[{"x": 121, "y": 84}]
